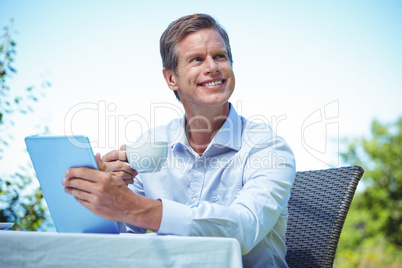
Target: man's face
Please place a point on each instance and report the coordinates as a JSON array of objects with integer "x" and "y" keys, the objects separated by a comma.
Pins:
[{"x": 204, "y": 72}]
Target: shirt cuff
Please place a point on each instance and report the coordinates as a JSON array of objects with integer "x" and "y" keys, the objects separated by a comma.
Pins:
[{"x": 176, "y": 218}]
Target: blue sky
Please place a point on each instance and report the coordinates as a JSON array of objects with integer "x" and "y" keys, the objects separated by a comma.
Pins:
[{"x": 318, "y": 71}]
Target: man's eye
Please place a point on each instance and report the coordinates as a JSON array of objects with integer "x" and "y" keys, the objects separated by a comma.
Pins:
[
  {"x": 221, "y": 56},
  {"x": 197, "y": 59}
]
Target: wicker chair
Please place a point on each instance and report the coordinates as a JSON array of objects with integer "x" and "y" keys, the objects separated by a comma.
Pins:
[{"x": 318, "y": 205}]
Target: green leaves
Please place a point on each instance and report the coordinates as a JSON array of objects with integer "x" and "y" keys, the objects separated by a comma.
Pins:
[
  {"x": 374, "y": 221},
  {"x": 20, "y": 202}
]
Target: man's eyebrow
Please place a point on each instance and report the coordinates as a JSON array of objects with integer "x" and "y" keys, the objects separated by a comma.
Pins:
[
  {"x": 193, "y": 55},
  {"x": 222, "y": 51}
]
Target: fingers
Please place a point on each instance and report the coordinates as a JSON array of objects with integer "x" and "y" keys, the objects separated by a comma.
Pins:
[
  {"x": 78, "y": 194},
  {"x": 121, "y": 166},
  {"x": 73, "y": 184},
  {"x": 88, "y": 174},
  {"x": 102, "y": 166},
  {"x": 116, "y": 163},
  {"x": 128, "y": 181},
  {"x": 116, "y": 155},
  {"x": 126, "y": 177},
  {"x": 86, "y": 199}
]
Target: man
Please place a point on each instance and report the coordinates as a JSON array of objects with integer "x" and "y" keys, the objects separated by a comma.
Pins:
[{"x": 225, "y": 176}]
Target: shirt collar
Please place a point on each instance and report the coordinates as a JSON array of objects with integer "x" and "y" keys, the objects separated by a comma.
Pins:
[{"x": 229, "y": 135}]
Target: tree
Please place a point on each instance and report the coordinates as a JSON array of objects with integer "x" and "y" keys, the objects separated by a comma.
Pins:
[
  {"x": 24, "y": 209},
  {"x": 373, "y": 228}
]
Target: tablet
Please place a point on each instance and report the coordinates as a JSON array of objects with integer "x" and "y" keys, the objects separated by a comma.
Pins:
[{"x": 51, "y": 156}]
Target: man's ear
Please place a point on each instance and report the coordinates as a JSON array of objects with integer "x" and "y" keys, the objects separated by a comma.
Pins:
[{"x": 170, "y": 78}]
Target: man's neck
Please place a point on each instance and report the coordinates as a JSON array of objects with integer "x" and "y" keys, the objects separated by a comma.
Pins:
[{"x": 201, "y": 126}]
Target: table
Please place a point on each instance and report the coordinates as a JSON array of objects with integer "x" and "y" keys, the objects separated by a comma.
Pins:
[{"x": 48, "y": 249}]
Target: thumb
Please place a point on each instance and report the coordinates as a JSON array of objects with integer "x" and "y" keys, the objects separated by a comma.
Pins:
[
  {"x": 102, "y": 166},
  {"x": 123, "y": 147}
]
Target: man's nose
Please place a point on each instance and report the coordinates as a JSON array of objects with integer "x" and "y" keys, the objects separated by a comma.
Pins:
[{"x": 211, "y": 66}]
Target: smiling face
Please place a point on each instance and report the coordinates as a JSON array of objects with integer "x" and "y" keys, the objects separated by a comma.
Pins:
[{"x": 204, "y": 72}]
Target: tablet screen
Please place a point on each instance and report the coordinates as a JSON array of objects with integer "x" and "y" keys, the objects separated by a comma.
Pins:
[{"x": 51, "y": 156}]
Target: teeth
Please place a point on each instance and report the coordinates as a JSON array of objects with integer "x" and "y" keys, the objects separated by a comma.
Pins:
[{"x": 210, "y": 84}]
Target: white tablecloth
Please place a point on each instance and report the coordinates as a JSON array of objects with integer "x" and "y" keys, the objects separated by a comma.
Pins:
[{"x": 46, "y": 249}]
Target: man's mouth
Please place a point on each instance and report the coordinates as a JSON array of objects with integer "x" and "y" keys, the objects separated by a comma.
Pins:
[{"x": 213, "y": 83}]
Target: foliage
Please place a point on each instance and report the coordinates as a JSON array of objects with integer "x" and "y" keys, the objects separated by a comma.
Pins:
[
  {"x": 372, "y": 234},
  {"x": 19, "y": 202}
]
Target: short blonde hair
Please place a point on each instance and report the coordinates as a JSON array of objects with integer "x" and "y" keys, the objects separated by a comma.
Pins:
[{"x": 179, "y": 29}]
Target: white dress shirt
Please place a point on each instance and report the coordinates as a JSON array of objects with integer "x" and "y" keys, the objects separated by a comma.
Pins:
[{"x": 238, "y": 188}]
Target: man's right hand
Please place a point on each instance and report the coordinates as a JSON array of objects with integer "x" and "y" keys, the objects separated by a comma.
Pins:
[{"x": 117, "y": 164}]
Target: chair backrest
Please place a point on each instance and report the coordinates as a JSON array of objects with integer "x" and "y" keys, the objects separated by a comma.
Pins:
[{"x": 318, "y": 205}]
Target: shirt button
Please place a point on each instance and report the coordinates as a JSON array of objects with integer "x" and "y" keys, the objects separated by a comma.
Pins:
[
  {"x": 198, "y": 164},
  {"x": 193, "y": 199}
]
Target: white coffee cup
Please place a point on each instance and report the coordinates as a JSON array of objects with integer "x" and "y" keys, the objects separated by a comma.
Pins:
[{"x": 147, "y": 157}]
